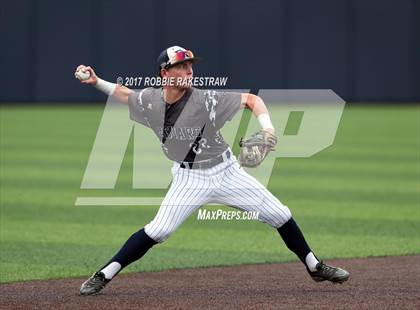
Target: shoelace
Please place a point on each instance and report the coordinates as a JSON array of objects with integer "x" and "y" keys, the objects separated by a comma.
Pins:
[
  {"x": 327, "y": 269},
  {"x": 97, "y": 280}
]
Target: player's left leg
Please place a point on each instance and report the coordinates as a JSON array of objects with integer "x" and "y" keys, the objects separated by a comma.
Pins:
[{"x": 241, "y": 190}]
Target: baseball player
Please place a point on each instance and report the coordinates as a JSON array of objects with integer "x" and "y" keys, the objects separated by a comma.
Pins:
[{"x": 187, "y": 121}]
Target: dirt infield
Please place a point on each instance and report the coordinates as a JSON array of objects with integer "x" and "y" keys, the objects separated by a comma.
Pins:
[{"x": 381, "y": 283}]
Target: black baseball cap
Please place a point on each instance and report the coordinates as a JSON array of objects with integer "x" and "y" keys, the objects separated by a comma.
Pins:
[{"x": 174, "y": 55}]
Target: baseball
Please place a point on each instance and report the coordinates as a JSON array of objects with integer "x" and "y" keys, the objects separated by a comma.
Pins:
[{"x": 82, "y": 75}]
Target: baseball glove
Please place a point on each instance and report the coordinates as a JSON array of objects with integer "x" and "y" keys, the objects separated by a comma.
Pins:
[{"x": 255, "y": 149}]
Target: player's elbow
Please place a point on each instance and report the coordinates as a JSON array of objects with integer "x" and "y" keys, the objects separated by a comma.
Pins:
[
  {"x": 255, "y": 104},
  {"x": 251, "y": 101},
  {"x": 122, "y": 93}
]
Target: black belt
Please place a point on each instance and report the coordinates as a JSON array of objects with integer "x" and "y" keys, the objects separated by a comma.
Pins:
[{"x": 206, "y": 164}]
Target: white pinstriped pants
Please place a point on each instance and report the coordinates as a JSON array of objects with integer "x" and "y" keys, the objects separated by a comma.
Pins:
[{"x": 226, "y": 183}]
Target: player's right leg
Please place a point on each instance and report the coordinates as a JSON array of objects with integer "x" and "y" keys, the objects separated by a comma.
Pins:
[{"x": 189, "y": 190}]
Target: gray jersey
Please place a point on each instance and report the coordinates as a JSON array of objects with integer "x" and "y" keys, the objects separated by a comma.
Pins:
[{"x": 189, "y": 130}]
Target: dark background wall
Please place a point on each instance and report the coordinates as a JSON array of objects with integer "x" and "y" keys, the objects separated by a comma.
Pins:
[{"x": 365, "y": 50}]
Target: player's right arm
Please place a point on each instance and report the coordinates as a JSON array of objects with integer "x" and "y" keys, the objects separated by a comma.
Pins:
[{"x": 119, "y": 92}]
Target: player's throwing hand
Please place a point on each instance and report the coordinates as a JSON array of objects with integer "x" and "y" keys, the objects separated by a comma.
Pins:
[{"x": 86, "y": 75}]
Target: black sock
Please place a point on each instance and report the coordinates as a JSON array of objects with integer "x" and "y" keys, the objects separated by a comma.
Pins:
[
  {"x": 133, "y": 249},
  {"x": 294, "y": 239}
]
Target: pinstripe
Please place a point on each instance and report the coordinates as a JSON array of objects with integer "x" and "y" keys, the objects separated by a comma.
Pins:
[
  {"x": 268, "y": 196},
  {"x": 169, "y": 207},
  {"x": 245, "y": 198},
  {"x": 234, "y": 181},
  {"x": 202, "y": 191},
  {"x": 224, "y": 183},
  {"x": 187, "y": 208},
  {"x": 203, "y": 197},
  {"x": 238, "y": 195},
  {"x": 247, "y": 179},
  {"x": 171, "y": 215},
  {"x": 162, "y": 210}
]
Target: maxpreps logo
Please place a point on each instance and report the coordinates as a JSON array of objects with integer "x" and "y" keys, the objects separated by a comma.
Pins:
[
  {"x": 319, "y": 114},
  {"x": 224, "y": 215}
]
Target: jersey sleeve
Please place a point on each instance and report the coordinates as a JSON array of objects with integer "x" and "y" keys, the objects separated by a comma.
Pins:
[
  {"x": 136, "y": 106},
  {"x": 229, "y": 105},
  {"x": 222, "y": 106}
]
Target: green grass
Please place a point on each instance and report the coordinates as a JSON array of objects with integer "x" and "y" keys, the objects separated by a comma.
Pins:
[{"x": 358, "y": 198}]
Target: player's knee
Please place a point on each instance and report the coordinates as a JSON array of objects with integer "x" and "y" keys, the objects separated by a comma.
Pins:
[
  {"x": 159, "y": 234},
  {"x": 280, "y": 216}
]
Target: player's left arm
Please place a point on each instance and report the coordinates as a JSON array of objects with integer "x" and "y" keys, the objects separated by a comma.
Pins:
[{"x": 259, "y": 109}]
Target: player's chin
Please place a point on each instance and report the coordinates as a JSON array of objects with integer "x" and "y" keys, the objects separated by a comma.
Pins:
[{"x": 184, "y": 87}]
